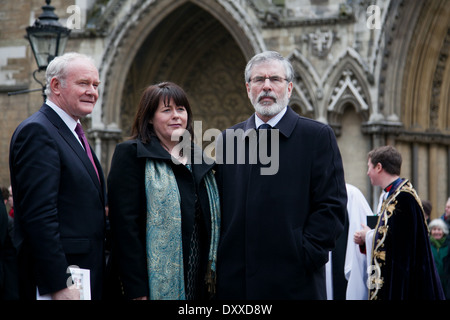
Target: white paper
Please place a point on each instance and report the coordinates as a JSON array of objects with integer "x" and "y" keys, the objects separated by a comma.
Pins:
[{"x": 81, "y": 280}]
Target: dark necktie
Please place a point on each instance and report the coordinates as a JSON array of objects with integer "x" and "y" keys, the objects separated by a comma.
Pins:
[
  {"x": 264, "y": 139},
  {"x": 80, "y": 133},
  {"x": 265, "y": 126}
]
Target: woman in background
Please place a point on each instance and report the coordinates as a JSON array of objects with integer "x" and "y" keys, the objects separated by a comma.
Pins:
[{"x": 440, "y": 247}]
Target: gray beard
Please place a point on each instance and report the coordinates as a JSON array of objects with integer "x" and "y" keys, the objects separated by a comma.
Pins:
[{"x": 272, "y": 110}]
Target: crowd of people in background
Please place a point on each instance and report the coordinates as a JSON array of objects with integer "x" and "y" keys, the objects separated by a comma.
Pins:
[{"x": 164, "y": 225}]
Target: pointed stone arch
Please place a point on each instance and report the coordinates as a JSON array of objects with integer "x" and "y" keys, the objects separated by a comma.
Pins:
[
  {"x": 304, "y": 97},
  {"x": 133, "y": 27},
  {"x": 184, "y": 41},
  {"x": 346, "y": 84},
  {"x": 426, "y": 82}
]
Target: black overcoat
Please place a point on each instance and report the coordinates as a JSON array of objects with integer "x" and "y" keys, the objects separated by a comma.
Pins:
[{"x": 278, "y": 229}]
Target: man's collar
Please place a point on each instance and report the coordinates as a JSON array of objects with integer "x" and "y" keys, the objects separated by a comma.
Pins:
[
  {"x": 285, "y": 125},
  {"x": 68, "y": 120},
  {"x": 393, "y": 185},
  {"x": 273, "y": 121}
]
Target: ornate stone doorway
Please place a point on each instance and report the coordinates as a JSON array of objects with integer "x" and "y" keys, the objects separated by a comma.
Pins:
[
  {"x": 193, "y": 49},
  {"x": 199, "y": 44}
]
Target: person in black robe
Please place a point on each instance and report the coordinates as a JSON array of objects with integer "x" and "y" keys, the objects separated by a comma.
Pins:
[{"x": 402, "y": 263}]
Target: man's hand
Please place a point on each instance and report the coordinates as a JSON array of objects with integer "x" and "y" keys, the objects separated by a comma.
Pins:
[
  {"x": 70, "y": 293},
  {"x": 360, "y": 236}
]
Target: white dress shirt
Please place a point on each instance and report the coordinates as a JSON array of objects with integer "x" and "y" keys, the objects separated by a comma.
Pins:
[
  {"x": 68, "y": 120},
  {"x": 273, "y": 121}
]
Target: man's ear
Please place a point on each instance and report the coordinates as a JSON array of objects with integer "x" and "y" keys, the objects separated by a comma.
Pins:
[
  {"x": 290, "y": 88},
  {"x": 55, "y": 85},
  {"x": 379, "y": 166}
]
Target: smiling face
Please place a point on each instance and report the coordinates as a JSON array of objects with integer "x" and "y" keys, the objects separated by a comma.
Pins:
[
  {"x": 268, "y": 89},
  {"x": 169, "y": 122},
  {"x": 77, "y": 93},
  {"x": 437, "y": 233}
]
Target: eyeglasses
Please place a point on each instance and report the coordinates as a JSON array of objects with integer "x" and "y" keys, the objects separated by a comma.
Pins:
[{"x": 276, "y": 80}]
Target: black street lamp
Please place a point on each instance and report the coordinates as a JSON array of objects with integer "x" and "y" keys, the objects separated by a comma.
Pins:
[{"x": 48, "y": 39}]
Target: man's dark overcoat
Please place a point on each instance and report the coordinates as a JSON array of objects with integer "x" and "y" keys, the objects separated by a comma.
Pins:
[{"x": 277, "y": 230}]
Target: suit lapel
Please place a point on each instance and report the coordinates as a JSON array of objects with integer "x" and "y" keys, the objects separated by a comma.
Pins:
[{"x": 68, "y": 136}]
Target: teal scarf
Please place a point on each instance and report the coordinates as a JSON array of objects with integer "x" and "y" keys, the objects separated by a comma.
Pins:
[{"x": 163, "y": 232}]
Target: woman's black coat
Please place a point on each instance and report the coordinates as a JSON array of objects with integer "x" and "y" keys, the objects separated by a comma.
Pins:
[{"x": 128, "y": 213}]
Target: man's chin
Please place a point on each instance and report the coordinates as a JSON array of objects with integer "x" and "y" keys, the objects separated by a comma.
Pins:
[
  {"x": 85, "y": 110},
  {"x": 268, "y": 110}
]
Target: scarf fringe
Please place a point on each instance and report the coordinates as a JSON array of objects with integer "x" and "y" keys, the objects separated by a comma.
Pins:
[{"x": 210, "y": 279}]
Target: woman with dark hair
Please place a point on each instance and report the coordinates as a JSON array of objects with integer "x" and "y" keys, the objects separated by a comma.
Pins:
[{"x": 163, "y": 206}]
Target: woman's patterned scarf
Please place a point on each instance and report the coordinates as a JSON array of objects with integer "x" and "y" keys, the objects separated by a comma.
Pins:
[{"x": 163, "y": 232}]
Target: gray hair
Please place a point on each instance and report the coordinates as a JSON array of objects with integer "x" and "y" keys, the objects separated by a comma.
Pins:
[
  {"x": 57, "y": 68},
  {"x": 269, "y": 56},
  {"x": 439, "y": 223}
]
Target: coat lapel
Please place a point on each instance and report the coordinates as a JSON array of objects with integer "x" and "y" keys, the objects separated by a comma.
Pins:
[{"x": 287, "y": 124}]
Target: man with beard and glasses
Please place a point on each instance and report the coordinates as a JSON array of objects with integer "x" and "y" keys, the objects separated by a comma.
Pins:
[{"x": 279, "y": 226}]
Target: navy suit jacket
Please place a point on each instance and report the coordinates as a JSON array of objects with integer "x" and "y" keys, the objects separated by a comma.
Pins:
[
  {"x": 59, "y": 206},
  {"x": 278, "y": 229}
]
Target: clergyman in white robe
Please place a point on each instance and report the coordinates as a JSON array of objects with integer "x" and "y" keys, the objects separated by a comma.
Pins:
[{"x": 355, "y": 267}]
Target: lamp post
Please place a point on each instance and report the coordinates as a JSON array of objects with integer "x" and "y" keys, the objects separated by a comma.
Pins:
[{"x": 48, "y": 39}]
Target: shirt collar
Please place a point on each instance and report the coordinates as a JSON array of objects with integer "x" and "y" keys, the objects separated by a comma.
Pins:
[
  {"x": 68, "y": 120},
  {"x": 273, "y": 121},
  {"x": 393, "y": 186}
]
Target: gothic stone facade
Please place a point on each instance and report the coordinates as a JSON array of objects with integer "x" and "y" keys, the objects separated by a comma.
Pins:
[{"x": 377, "y": 71}]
